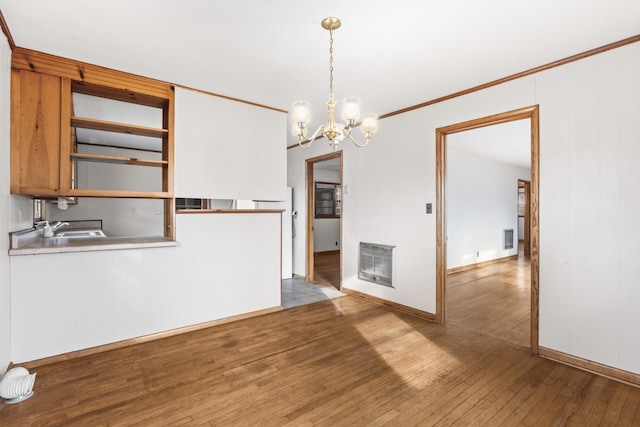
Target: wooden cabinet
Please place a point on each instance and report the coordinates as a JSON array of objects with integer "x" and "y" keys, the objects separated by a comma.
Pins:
[
  {"x": 47, "y": 144},
  {"x": 120, "y": 141},
  {"x": 35, "y": 133},
  {"x": 328, "y": 200},
  {"x": 47, "y": 151}
]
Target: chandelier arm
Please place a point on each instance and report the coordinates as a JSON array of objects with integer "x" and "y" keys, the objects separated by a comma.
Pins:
[
  {"x": 303, "y": 139},
  {"x": 356, "y": 142}
]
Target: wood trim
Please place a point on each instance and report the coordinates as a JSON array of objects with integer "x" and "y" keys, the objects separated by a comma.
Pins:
[
  {"x": 531, "y": 113},
  {"x": 118, "y": 94},
  {"x": 623, "y": 376},
  {"x": 170, "y": 218},
  {"x": 168, "y": 116},
  {"x": 67, "y": 135},
  {"x": 26, "y": 59},
  {"x": 310, "y": 270},
  {"x": 309, "y": 260},
  {"x": 230, "y": 98},
  {"x": 117, "y": 159},
  {"x": 441, "y": 228},
  {"x": 120, "y": 147},
  {"x": 95, "y": 124},
  {"x": 521, "y": 74},
  {"x": 14, "y": 129},
  {"x": 480, "y": 264},
  {"x": 5, "y": 30},
  {"x": 425, "y": 315},
  {"x": 146, "y": 338},
  {"x": 116, "y": 194},
  {"x": 534, "y": 228}
]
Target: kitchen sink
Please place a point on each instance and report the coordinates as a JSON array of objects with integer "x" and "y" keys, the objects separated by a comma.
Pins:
[{"x": 78, "y": 234}]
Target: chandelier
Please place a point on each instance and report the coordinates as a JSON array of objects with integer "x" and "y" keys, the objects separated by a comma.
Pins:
[{"x": 334, "y": 132}]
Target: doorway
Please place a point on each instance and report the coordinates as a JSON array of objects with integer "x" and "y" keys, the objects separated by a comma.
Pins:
[
  {"x": 324, "y": 220},
  {"x": 524, "y": 216},
  {"x": 531, "y": 113}
]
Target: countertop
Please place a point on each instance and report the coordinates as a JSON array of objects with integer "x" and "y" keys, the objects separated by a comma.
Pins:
[{"x": 29, "y": 242}]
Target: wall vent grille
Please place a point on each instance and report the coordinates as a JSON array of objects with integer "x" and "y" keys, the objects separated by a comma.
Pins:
[
  {"x": 376, "y": 264},
  {"x": 507, "y": 238}
]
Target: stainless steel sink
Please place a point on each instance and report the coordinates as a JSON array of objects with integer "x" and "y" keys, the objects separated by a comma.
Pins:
[{"x": 79, "y": 234}]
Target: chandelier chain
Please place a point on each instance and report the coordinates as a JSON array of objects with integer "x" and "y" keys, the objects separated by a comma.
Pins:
[{"x": 331, "y": 62}]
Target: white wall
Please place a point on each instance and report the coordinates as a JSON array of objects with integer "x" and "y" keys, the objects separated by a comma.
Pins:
[
  {"x": 226, "y": 149},
  {"x": 66, "y": 302},
  {"x": 589, "y": 133},
  {"x": 5, "y": 203},
  {"x": 482, "y": 201}
]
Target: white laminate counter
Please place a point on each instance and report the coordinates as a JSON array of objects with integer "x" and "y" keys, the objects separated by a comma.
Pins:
[{"x": 43, "y": 245}]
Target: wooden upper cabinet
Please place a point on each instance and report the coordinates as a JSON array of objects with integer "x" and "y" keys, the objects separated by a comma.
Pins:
[
  {"x": 35, "y": 133},
  {"x": 87, "y": 131}
]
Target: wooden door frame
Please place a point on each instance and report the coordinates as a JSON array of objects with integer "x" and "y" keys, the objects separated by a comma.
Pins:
[
  {"x": 310, "y": 265},
  {"x": 531, "y": 113}
]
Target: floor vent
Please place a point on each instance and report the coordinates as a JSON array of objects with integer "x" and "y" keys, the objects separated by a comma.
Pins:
[
  {"x": 508, "y": 238},
  {"x": 376, "y": 264}
]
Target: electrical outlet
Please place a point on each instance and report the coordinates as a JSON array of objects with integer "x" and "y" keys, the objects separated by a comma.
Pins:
[
  {"x": 477, "y": 254},
  {"x": 429, "y": 208},
  {"x": 336, "y": 243}
]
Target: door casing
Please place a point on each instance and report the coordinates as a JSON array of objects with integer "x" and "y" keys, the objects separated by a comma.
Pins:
[
  {"x": 531, "y": 113},
  {"x": 310, "y": 267}
]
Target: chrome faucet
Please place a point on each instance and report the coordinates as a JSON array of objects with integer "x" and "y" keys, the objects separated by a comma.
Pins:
[{"x": 58, "y": 225}]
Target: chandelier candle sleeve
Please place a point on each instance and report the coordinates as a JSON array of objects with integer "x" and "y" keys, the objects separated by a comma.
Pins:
[{"x": 334, "y": 132}]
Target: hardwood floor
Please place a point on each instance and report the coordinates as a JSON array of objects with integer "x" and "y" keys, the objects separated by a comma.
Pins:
[
  {"x": 327, "y": 268},
  {"x": 494, "y": 299},
  {"x": 341, "y": 362}
]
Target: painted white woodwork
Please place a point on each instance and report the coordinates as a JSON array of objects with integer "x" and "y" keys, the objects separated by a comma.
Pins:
[
  {"x": 5, "y": 206},
  {"x": 66, "y": 302},
  {"x": 227, "y": 149},
  {"x": 589, "y": 199},
  {"x": 482, "y": 201}
]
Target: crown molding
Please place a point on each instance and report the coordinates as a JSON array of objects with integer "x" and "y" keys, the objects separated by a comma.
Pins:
[{"x": 535, "y": 70}]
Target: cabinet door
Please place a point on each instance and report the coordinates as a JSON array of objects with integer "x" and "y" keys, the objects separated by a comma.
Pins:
[{"x": 35, "y": 133}]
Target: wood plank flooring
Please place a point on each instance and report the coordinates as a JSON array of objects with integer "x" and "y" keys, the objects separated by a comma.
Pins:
[
  {"x": 494, "y": 299},
  {"x": 341, "y": 362},
  {"x": 327, "y": 268}
]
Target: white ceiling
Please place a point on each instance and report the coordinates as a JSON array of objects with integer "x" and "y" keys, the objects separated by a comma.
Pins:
[
  {"x": 391, "y": 54},
  {"x": 506, "y": 142}
]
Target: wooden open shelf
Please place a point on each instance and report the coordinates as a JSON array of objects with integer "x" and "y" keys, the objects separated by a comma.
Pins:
[
  {"x": 117, "y": 159},
  {"x": 86, "y": 123}
]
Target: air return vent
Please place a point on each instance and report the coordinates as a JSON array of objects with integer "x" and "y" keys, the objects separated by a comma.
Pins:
[
  {"x": 376, "y": 263},
  {"x": 507, "y": 238}
]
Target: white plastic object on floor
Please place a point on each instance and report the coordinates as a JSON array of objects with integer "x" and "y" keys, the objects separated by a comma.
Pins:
[{"x": 17, "y": 385}]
